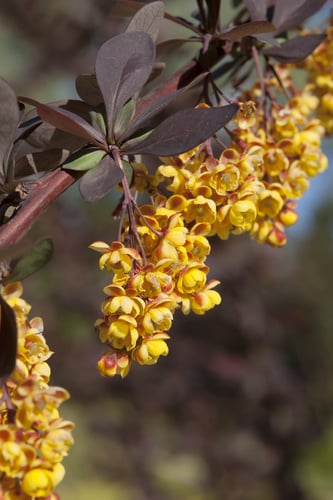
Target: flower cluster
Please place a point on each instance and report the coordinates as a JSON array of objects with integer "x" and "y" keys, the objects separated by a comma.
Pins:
[
  {"x": 33, "y": 437},
  {"x": 147, "y": 287},
  {"x": 252, "y": 186},
  {"x": 319, "y": 66},
  {"x": 158, "y": 264}
]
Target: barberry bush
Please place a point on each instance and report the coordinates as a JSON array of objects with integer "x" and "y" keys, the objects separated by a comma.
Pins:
[{"x": 225, "y": 146}]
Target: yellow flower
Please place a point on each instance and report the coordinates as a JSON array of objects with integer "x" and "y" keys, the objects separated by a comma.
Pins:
[
  {"x": 313, "y": 161},
  {"x": 205, "y": 300},
  {"x": 247, "y": 115},
  {"x": 34, "y": 347},
  {"x": 122, "y": 333},
  {"x": 38, "y": 482},
  {"x": 56, "y": 444},
  {"x": 150, "y": 284},
  {"x": 116, "y": 257},
  {"x": 15, "y": 457},
  {"x": 157, "y": 318},
  {"x": 174, "y": 177},
  {"x": 201, "y": 209},
  {"x": 36, "y": 407},
  {"x": 224, "y": 179},
  {"x": 242, "y": 214},
  {"x": 275, "y": 161},
  {"x": 151, "y": 349},
  {"x": 121, "y": 304},
  {"x": 197, "y": 246},
  {"x": 296, "y": 181},
  {"x": 192, "y": 279},
  {"x": 270, "y": 203}
]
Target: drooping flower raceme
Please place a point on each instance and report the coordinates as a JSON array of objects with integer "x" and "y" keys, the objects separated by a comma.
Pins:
[
  {"x": 146, "y": 289},
  {"x": 253, "y": 185},
  {"x": 33, "y": 437}
]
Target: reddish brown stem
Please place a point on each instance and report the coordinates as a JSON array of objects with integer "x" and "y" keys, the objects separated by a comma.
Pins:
[{"x": 43, "y": 193}]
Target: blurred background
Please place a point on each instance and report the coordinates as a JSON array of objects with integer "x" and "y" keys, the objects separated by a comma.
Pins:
[{"x": 242, "y": 408}]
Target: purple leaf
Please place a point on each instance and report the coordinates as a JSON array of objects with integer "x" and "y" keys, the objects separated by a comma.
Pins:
[
  {"x": 8, "y": 340},
  {"x": 123, "y": 65},
  {"x": 40, "y": 161},
  {"x": 148, "y": 19},
  {"x": 143, "y": 120},
  {"x": 67, "y": 121},
  {"x": 248, "y": 29},
  {"x": 257, "y": 9},
  {"x": 97, "y": 182},
  {"x": 183, "y": 130},
  {"x": 296, "y": 49},
  {"x": 9, "y": 117},
  {"x": 288, "y": 14}
]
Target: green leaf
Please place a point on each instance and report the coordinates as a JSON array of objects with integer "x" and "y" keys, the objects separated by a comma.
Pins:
[
  {"x": 123, "y": 118},
  {"x": 128, "y": 169},
  {"x": 85, "y": 159},
  {"x": 8, "y": 340},
  {"x": 36, "y": 258}
]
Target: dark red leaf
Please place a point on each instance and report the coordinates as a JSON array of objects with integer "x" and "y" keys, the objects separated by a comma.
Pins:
[
  {"x": 47, "y": 136},
  {"x": 9, "y": 117},
  {"x": 8, "y": 340},
  {"x": 288, "y": 14},
  {"x": 88, "y": 89},
  {"x": 183, "y": 130},
  {"x": 296, "y": 49},
  {"x": 97, "y": 182},
  {"x": 67, "y": 121},
  {"x": 123, "y": 65}
]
